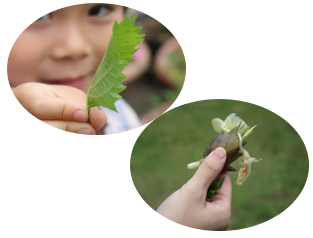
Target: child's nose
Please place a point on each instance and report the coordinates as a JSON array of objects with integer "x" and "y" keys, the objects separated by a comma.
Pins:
[{"x": 72, "y": 43}]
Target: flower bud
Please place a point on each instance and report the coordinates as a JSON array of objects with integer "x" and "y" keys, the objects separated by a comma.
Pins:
[
  {"x": 234, "y": 134},
  {"x": 229, "y": 140}
]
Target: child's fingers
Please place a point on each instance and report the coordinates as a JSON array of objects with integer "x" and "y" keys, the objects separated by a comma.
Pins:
[
  {"x": 52, "y": 102},
  {"x": 71, "y": 126},
  {"x": 97, "y": 118},
  {"x": 54, "y": 108}
]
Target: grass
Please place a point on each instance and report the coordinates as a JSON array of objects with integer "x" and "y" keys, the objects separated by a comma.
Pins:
[{"x": 161, "y": 154}]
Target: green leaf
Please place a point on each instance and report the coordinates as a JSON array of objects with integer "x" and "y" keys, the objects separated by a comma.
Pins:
[
  {"x": 106, "y": 83},
  {"x": 214, "y": 187}
]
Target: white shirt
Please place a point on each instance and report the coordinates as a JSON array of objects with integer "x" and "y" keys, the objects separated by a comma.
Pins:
[{"x": 126, "y": 119}]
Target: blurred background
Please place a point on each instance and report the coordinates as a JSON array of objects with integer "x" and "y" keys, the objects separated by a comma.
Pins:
[
  {"x": 163, "y": 150},
  {"x": 157, "y": 73}
]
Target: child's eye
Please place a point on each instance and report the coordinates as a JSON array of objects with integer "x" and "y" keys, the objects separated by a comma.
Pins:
[
  {"x": 45, "y": 17},
  {"x": 99, "y": 10}
]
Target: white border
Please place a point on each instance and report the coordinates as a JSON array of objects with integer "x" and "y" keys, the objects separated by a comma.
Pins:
[{"x": 57, "y": 184}]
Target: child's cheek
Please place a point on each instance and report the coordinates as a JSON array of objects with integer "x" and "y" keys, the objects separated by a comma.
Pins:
[{"x": 22, "y": 63}]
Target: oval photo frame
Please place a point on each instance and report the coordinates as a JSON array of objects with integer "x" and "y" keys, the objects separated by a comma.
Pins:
[{"x": 180, "y": 136}]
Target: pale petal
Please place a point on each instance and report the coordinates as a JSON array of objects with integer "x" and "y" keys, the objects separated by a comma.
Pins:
[
  {"x": 217, "y": 125},
  {"x": 236, "y": 121},
  {"x": 228, "y": 120},
  {"x": 252, "y": 160},
  {"x": 243, "y": 174},
  {"x": 232, "y": 121},
  {"x": 239, "y": 161}
]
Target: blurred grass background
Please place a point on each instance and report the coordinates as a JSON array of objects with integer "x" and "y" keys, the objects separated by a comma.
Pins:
[{"x": 161, "y": 154}]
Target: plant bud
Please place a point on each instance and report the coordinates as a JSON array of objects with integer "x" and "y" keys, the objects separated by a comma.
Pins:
[
  {"x": 234, "y": 134},
  {"x": 230, "y": 142}
]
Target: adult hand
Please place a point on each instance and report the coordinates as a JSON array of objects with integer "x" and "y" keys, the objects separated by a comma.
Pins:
[
  {"x": 62, "y": 107},
  {"x": 188, "y": 205}
]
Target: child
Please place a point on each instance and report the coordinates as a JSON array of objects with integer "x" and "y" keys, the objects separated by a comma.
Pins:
[{"x": 52, "y": 64}]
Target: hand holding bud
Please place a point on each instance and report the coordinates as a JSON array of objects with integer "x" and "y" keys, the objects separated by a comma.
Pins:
[{"x": 234, "y": 134}]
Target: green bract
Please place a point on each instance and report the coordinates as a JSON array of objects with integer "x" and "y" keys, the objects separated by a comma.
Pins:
[{"x": 106, "y": 83}]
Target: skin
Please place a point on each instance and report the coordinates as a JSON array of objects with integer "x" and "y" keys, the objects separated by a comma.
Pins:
[
  {"x": 62, "y": 107},
  {"x": 188, "y": 206},
  {"x": 53, "y": 62}
]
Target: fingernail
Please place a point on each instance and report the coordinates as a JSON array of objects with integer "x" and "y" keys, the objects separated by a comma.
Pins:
[
  {"x": 85, "y": 132},
  {"x": 219, "y": 153},
  {"x": 80, "y": 116}
]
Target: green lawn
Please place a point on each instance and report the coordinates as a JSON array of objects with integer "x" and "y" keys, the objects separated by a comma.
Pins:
[{"x": 161, "y": 154}]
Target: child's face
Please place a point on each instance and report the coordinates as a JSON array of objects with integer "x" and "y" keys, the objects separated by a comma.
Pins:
[{"x": 64, "y": 47}]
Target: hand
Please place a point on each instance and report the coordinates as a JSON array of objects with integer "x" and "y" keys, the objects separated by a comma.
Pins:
[
  {"x": 188, "y": 206},
  {"x": 62, "y": 107}
]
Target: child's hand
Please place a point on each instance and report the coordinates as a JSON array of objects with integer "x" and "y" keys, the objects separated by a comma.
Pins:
[
  {"x": 62, "y": 107},
  {"x": 188, "y": 205}
]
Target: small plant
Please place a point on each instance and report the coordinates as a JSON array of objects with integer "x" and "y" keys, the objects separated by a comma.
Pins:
[{"x": 234, "y": 134}]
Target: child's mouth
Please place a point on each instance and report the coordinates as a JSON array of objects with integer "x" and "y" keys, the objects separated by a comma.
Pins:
[{"x": 73, "y": 82}]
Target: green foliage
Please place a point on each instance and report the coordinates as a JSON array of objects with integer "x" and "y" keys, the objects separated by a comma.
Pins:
[
  {"x": 178, "y": 137},
  {"x": 106, "y": 83},
  {"x": 168, "y": 95},
  {"x": 177, "y": 68}
]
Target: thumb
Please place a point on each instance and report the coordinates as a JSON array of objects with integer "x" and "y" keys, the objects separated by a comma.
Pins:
[{"x": 209, "y": 169}]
